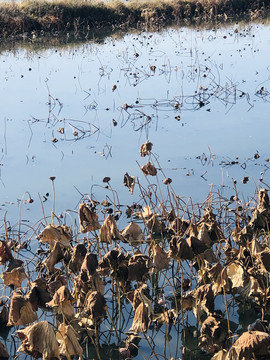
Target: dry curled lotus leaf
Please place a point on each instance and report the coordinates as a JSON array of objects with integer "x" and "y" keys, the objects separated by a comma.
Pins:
[
  {"x": 204, "y": 300},
  {"x": 3, "y": 316},
  {"x": 154, "y": 224},
  {"x": 21, "y": 311},
  {"x": 95, "y": 305},
  {"x": 220, "y": 355},
  {"x": 109, "y": 231},
  {"x": 149, "y": 169},
  {"x": 179, "y": 226},
  {"x": 197, "y": 246},
  {"x": 179, "y": 249},
  {"x": 264, "y": 204},
  {"x": 138, "y": 295},
  {"x": 68, "y": 342},
  {"x": 54, "y": 257},
  {"x": 129, "y": 181},
  {"x": 160, "y": 258},
  {"x": 138, "y": 267},
  {"x": 77, "y": 257},
  {"x": 14, "y": 277},
  {"x": 51, "y": 234},
  {"x": 5, "y": 252},
  {"x": 38, "y": 294},
  {"x": 264, "y": 258},
  {"x": 88, "y": 219},
  {"x": 236, "y": 274},
  {"x": 89, "y": 266},
  {"x": 146, "y": 148},
  {"x": 142, "y": 318},
  {"x": 218, "y": 276},
  {"x": 168, "y": 316},
  {"x": 212, "y": 335},
  {"x": 112, "y": 260},
  {"x": 39, "y": 340},
  {"x": 62, "y": 303},
  {"x": 133, "y": 233},
  {"x": 250, "y": 345}
]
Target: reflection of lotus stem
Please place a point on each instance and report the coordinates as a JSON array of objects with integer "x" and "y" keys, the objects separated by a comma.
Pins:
[
  {"x": 53, "y": 209},
  {"x": 182, "y": 290},
  {"x": 113, "y": 324},
  {"x": 119, "y": 309},
  {"x": 174, "y": 294},
  {"x": 96, "y": 346}
]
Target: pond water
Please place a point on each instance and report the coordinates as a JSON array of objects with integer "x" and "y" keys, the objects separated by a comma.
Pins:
[
  {"x": 81, "y": 113},
  {"x": 200, "y": 96}
]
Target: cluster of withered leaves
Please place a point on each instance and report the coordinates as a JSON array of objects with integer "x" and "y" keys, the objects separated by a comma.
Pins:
[{"x": 73, "y": 278}]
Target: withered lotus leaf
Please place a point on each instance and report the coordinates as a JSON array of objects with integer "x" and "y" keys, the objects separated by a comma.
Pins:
[
  {"x": 3, "y": 352},
  {"x": 138, "y": 295},
  {"x": 14, "y": 277},
  {"x": 264, "y": 204},
  {"x": 62, "y": 303},
  {"x": 38, "y": 341},
  {"x": 109, "y": 231},
  {"x": 146, "y": 148},
  {"x": 51, "y": 234},
  {"x": 4, "y": 316},
  {"x": 142, "y": 318},
  {"x": 196, "y": 245},
  {"x": 95, "y": 305},
  {"x": 38, "y": 294},
  {"x": 220, "y": 355},
  {"x": 160, "y": 258},
  {"x": 68, "y": 342},
  {"x": 212, "y": 335},
  {"x": 138, "y": 267},
  {"x": 179, "y": 249},
  {"x": 204, "y": 300},
  {"x": 5, "y": 252},
  {"x": 250, "y": 345},
  {"x": 264, "y": 257},
  {"x": 111, "y": 261},
  {"x": 77, "y": 258},
  {"x": 89, "y": 266},
  {"x": 154, "y": 224},
  {"x": 133, "y": 233},
  {"x": 218, "y": 276},
  {"x": 169, "y": 316},
  {"x": 179, "y": 226},
  {"x": 149, "y": 169},
  {"x": 145, "y": 213},
  {"x": 129, "y": 181},
  {"x": 21, "y": 311},
  {"x": 55, "y": 256},
  {"x": 88, "y": 219},
  {"x": 236, "y": 275}
]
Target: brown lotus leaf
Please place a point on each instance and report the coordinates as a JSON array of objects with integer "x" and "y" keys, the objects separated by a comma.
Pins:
[
  {"x": 160, "y": 258},
  {"x": 138, "y": 295},
  {"x": 196, "y": 245},
  {"x": 14, "y": 277},
  {"x": 179, "y": 249},
  {"x": 149, "y": 169},
  {"x": 138, "y": 267},
  {"x": 95, "y": 305},
  {"x": 146, "y": 148},
  {"x": 142, "y": 319},
  {"x": 88, "y": 219},
  {"x": 242, "y": 236},
  {"x": 55, "y": 282},
  {"x": 236, "y": 275},
  {"x": 169, "y": 316},
  {"x": 62, "y": 303},
  {"x": 259, "y": 220},
  {"x": 4, "y": 316},
  {"x": 254, "y": 247},
  {"x": 187, "y": 301},
  {"x": 21, "y": 311},
  {"x": 68, "y": 342},
  {"x": 129, "y": 181},
  {"x": 210, "y": 225},
  {"x": 264, "y": 204},
  {"x": 77, "y": 257},
  {"x": 39, "y": 340},
  {"x": 3, "y": 352},
  {"x": 250, "y": 345},
  {"x": 86, "y": 283},
  {"x": 109, "y": 231},
  {"x": 264, "y": 258},
  {"x": 112, "y": 260},
  {"x": 51, "y": 234},
  {"x": 154, "y": 224},
  {"x": 133, "y": 233},
  {"x": 204, "y": 300},
  {"x": 5, "y": 252},
  {"x": 212, "y": 335},
  {"x": 254, "y": 287},
  {"x": 218, "y": 276},
  {"x": 55, "y": 256},
  {"x": 38, "y": 294},
  {"x": 89, "y": 266},
  {"x": 209, "y": 256},
  {"x": 145, "y": 213}
]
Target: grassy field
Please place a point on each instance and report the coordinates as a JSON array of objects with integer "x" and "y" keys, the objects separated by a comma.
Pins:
[{"x": 82, "y": 17}]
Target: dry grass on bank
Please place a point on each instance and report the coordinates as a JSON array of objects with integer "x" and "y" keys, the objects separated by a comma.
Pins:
[{"x": 62, "y": 16}]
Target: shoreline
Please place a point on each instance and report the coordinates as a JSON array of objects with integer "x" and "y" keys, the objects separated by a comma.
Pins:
[{"x": 29, "y": 19}]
